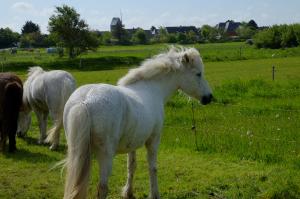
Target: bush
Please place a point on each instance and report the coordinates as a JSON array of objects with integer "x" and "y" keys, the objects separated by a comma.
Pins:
[{"x": 281, "y": 36}]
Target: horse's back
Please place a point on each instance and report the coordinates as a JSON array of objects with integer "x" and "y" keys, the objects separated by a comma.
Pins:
[
  {"x": 50, "y": 90},
  {"x": 115, "y": 113}
]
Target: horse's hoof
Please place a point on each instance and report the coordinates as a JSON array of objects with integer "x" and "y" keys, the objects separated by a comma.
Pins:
[
  {"x": 12, "y": 149},
  {"x": 53, "y": 147},
  {"x": 20, "y": 135},
  {"x": 154, "y": 197},
  {"x": 129, "y": 196}
]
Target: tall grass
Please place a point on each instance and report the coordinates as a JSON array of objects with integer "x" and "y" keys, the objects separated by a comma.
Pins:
[{"x": 253, "y": 119}]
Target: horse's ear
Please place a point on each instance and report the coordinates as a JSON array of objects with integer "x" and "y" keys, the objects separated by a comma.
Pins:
[{"x": 185, "y": 58}]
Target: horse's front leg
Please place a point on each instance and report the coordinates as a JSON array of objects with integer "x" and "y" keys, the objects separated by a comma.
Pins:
[
  {"x": 42, "y": 120},
  {"x": 131, "y": 167},
  {"x": 152, "y": 147}
]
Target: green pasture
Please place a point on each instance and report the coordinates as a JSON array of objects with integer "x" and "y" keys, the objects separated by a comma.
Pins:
[
  {"x": 110, "y": 57},
  {"x": 246, "y": 143}
]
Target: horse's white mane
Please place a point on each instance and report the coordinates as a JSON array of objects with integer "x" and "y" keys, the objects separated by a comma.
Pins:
[
  {"x": 172, "y": 60},
  {"x": 33, "y": 71}
]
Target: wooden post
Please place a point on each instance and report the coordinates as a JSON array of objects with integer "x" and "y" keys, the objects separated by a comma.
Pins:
[
  {"x": 273, "y": 73},
  {"x": 240, "y": 52},
  {"x": 194, "y": 127}
]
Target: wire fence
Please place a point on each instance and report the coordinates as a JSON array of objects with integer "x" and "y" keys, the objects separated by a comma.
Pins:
[{"x": 198, "y": 135}]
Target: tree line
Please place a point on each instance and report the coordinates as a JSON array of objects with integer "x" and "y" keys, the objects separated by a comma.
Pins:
[
  {"x": 67, "y": 30},
  {"x": 278, "y": 36}
]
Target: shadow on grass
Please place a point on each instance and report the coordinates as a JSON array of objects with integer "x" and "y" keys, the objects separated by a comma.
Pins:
[
  {"x": 81, "y": 64},
  {"x": 29, "y": 156},
  {"x": 34, "y": 141}
]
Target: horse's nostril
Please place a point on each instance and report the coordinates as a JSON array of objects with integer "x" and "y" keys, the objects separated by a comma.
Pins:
[{"x": 206, "y": 99}]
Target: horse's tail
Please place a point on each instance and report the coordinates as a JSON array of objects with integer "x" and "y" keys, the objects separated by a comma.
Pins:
[
  {"x": 13, "y": 98},
  {"x": 77, "y": 125},
  {"x": 68, "y": 88},
  {"x": 12, "y": 103}
]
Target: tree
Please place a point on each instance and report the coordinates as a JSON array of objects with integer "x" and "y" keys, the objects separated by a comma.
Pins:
[
  {"x": 106, "y": 38},
  {"x": 172, "y": 38},
  {"x": 209, "y": 33},
  {"x": 288, "y": 36},
  {"x": 163, "y": 35},
  {"x": 192, "y": 37},
  {"x": 71, "y": 31},
  {"x": 139, "y": 37},
  {"x": 296, "y": 28},
  {"x": 8, "y": 38},
  {"x": 30, "y": 27},
  {"x": 245, "y": 32},
  {"x": 181, "y": 38}
]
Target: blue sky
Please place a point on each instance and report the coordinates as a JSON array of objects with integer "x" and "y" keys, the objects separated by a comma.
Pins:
[{"x": 144, "y": 14}]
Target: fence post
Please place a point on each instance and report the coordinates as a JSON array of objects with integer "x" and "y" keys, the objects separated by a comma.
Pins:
[
  {"x": 240, "y": 52},
  {"x": 273, "y": 73},
  {"x": 194, "y": 127}
]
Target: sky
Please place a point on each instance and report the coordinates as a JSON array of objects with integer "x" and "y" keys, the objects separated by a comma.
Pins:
[{"x": 144, "y": 14}]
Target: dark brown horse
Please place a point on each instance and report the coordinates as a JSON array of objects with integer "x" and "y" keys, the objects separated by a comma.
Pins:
[{"x": 11, "y": 92}]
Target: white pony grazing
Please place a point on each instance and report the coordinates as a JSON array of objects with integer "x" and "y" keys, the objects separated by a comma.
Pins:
[
  {"x": 107, "y": 120},
  {"x": 44, "y": 93}
]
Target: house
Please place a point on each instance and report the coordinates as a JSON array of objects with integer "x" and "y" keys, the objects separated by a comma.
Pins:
[
  {"x": 229, "y": 27},
  {"x": 181, "y": 29}
]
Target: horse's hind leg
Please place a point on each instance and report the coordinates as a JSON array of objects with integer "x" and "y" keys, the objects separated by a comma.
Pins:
[
  {"x": 2, "y": 138},
  {"x": 9, "y": 130},
  {"x": 54, "y": 132},
  {"x": 131, "y": 167},
  {"x": 105, "y": 160},
  {"x": 12, "y": 130},
  {"x": 42, "y": 120}
]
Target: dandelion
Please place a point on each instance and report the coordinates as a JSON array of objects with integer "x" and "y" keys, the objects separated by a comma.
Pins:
[{"x": 249, "y": 133}]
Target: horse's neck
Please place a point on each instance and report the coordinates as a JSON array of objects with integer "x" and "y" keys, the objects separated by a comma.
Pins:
[{"x": 159, "y": 89}]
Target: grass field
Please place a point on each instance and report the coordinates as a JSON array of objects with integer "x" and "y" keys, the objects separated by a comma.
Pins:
[
  {"x": 110, "y": 57},
  {"x": 248, "y": 140}
]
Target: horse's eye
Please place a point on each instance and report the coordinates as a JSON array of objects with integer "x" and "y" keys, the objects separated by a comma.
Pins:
[{"x": 198, "y": 74}]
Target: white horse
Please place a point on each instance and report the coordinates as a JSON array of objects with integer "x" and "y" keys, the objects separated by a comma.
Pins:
[
  {"x": 44, "y": 93},
  {"x": 107, "y": 120}
]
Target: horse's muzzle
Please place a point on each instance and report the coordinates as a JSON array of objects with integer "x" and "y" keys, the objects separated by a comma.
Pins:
[{"x": 206, "y": 99}]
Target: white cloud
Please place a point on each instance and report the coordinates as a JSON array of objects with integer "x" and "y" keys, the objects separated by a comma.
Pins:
[{"x": 22, "y": 6}]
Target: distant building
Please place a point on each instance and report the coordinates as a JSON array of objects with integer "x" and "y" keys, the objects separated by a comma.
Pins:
[
  {"x": 149, "y": 33},
  {"x": 182, "y": 29},
  {"x": 115, "y": 24},
  {"x": 229, "y": 27}
]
